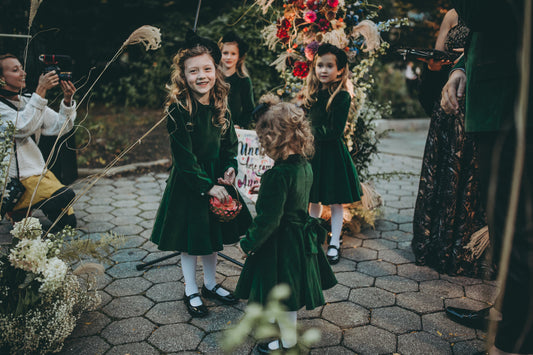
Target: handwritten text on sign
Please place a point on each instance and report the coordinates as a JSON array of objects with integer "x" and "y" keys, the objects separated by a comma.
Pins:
[{"x": 252, "y": 164}]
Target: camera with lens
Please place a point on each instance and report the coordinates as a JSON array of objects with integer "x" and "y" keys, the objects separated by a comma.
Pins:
[{"x": 61, "y": 64}]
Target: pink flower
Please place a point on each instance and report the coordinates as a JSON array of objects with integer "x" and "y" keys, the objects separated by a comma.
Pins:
[
  {"x": 310, "y": 16},
  {"x": 312, "y": 4},
  {"x": 333, "y": 3},
  {"x": 311, "y": 50}
]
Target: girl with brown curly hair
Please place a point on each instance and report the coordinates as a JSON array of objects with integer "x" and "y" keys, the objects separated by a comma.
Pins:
[
  {"x": 204, "y": 147},
  {"x": 283, "y": 243}
]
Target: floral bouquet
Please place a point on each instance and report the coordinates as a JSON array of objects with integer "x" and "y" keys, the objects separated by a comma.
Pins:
[{"x": 40, "y": 300}]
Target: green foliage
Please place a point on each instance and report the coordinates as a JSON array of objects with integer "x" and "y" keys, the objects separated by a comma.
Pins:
[{"x": 97, "y": 248}]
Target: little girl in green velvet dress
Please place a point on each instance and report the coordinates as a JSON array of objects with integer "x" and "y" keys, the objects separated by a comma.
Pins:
[
  {"x": 327, "y": 96},
  {"x": 204, "y": 148},
  {"x": 283, "y": 243},
  {"x": 241, "y": 95}
]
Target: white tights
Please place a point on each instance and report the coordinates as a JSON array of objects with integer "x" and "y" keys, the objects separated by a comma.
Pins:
[
  {"x": 337, "y": 215},
  {"x": 188, "y": 267},
  {"x": 289, "y": 340}
]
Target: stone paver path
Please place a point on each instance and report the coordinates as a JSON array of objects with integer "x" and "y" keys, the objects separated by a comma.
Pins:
[{"x": 383, "y": 304}]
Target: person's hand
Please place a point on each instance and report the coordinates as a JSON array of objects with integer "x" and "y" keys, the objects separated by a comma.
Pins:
[
  {"x": 229, "y": 177},
  {"x": 453, "y": 91},
  {"x": 68, "y": 91},
  {"x": 46, "y": 82},
  {"x": 220, "y": 193}
]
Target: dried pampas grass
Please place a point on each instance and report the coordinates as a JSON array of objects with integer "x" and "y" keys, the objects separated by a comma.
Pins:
[
  {"x": 336, "y": 37},
  {"x": 281, "y": 63},
  {"x": 369, "y": 30},
  {"x": 269, "y": 34},
  {"x": 148, "y": 36},
  {"x": 371, "y": 199},
  {"x": 33, "y": 10},
  {"x": 479, "y": 241},
  {"x": 264, "y": 5}
]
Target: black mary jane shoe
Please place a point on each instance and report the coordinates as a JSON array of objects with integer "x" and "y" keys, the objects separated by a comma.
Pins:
[
  {"x": 229, "y": 299},
  {"x": 335, "y": 258},
  {"x": 262, "y": 348},
  {"x": 469, "y": 318},
  {"x": 195, "y": 311}
]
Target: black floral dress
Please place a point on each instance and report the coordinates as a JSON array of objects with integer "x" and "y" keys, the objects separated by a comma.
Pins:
[{"x": 448, "y": 208}]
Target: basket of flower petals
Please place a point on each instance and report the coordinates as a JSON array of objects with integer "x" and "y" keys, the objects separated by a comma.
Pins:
[{"x": 227, "y": 211}]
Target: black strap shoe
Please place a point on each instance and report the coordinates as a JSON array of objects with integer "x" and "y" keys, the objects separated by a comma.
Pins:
[
  {"x": 229, "y": 299},
  {"x": 467, "y": 317},
  {"x": 335, "y": 258},
  {"x": 195, "y": 311},
  {"x": 262, "y": 348}
]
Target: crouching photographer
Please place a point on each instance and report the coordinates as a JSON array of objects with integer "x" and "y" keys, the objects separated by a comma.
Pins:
[{"x": 33, "y": 119}]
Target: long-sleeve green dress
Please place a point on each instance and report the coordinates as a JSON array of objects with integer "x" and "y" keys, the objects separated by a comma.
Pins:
[
  {"x": 201, "y": 153},
  {"x": 284, "y": 242},
  {"x": 240, "y": 100},
  {"x": 335, "y": 177}
]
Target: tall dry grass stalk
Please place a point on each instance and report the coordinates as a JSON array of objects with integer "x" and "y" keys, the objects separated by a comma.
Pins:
[
  {"x": 369, "y": 30},
  {"x": 33, "y": 10}
]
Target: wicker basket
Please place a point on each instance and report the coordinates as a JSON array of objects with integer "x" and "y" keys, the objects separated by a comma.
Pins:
[{"x": 225, "y": 212}]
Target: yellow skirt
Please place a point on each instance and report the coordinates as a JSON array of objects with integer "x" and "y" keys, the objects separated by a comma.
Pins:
[{"x": 48, "y": 185}]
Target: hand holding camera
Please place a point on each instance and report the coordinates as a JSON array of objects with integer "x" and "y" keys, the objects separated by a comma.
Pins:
[{"x": 54, "y": 75}]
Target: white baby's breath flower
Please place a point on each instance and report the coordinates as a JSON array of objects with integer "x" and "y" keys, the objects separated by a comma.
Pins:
[
  {"x": 29, "y": 254},
  {"x": 27, "y": 228},
  {"x": 53, "y": 274}
]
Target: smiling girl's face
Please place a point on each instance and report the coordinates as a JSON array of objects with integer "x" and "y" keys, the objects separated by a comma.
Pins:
[
  {"x": 200, "y": 75},
  {"x": 230, "y": 56},
  {"x": 326, "y": 69}
]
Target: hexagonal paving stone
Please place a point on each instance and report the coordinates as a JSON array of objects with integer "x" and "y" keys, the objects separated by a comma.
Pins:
[
  {"x": 440, "y": 325},
  {"x": 99, "y": 227},
  {"x": 384, "y": 226},
  {"x": 99, "y": 209},
  {"x": 125, "y": 201},
  {"x": 168, "y": 313},
  {"x": 126, "y": 219},
  {"x": 346, "y": 314},
  {"x": 150, "y": 198},
  {"x": 396, "y": 284},
  {"x": 97, "y": 217},
  {"x": 402, "y": 203},
  {"x": 468, "y": 347},
  {"x": 148, "y": 215},
  {"x": 85, "y": 346},
  {"x": 354, "y": 279},
  {"x": 145, "y": 206},
  {"x": 407, "y": 227},
  {"x": 169, "y": 291},
  {"x": 176, "y": 337},
  {"x": 162, "y": 274},
  {"x": 359, "y": 254},
  {"x": 370, "y": 340},
  {"x": 467, "y": 303},
  {"x": 125, "y": 255},
  {"x": 372, "y": 297},
  {"x": 128, "y": 330},
  {"x": 211, "y": 344},
  {"x": 100, "y": 201},
  {"x": 417, "y": 273},
  {"x": 332, "y": 350},
  {"x": 131, "y": 229},
  {"x": 369, "y": 234},
  {"x": 220, "y": 318},
  {"x": 482, "y": 292},
  {"x": 395, "y": 319},
  {"x": 417, "y": 343},
  {"x": 420, "y": 302},
  {"x": 330, "y": 334},
  {"x": 397, "y": 218},
  {"x": 442, "y": 288},
  {"x": 379, "y": 244},
  {"x": 130, "y": 306},
  {"x": 397, "y": 256},
  {"x": 376, "y": 268},
  {"x": 461, "y": 280},
  {"x": 90, "y": 323},
  {"x": 397, "y": 236},
  {"x": 124, "y": 270},
  {"x": 134, "y": 348},
  {"x": 128, "y": 287},
  {"x": 350, "y": 242},
  {"x": 312, "y": 313},
  {"x": 130, "y": 241},
  {"x": 337, "y": 293}
]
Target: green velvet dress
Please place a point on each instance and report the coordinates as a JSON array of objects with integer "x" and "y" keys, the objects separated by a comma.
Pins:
[
  {"x": 284, "y": 241},
  {"x": 335, "y": 177},
  {"x": 240, "y": 100},
  {"x": 201, "y": 153}
]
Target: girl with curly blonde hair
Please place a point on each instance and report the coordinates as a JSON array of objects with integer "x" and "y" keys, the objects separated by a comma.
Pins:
[
  {"x": 283, "y": 243},
  {"x": 204, "y": 147}
]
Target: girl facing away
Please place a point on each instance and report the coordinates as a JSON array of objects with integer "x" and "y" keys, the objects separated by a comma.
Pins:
[
  {"x": 283, "y": 243},
  {"x": 204, "y": 147},
  {"x": 241, "y": 95},
  {"x": 327, "y": 96}
]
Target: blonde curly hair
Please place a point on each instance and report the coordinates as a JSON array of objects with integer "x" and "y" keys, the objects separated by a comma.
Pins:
[
  {"x": 282, "y": 127},
  {"x": 179, "y": 92}
]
